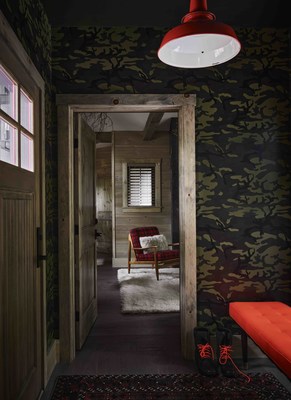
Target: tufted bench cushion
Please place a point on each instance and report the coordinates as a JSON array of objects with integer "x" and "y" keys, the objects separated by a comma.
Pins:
[{"x": 268, "y": 324}]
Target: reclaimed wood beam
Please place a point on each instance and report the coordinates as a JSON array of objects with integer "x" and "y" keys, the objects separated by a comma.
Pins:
[{"x": 151, "y": 125}]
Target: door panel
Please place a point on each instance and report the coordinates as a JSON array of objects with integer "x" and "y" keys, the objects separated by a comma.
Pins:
[
  {"x": 21, "y": 330},
  {"x": 85, "y": 242}
]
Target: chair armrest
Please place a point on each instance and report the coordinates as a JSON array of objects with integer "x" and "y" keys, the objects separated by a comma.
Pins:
[
  {"x": 146, "y": 248},
  {"x": 173, "y": 244}
]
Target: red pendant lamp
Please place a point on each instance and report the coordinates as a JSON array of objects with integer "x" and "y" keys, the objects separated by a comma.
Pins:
[{"x": 200, "y": 41}]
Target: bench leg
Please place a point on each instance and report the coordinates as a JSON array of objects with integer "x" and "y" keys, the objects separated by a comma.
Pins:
[{"x": 244, "y": 346}]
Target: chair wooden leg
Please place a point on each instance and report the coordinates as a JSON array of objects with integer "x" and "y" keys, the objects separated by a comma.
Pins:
[
  {"x": 157, "y": 272},
  {"x": 129, "y": 255}
]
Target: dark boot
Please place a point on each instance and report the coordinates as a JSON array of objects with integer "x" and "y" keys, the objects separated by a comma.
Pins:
[
  {"x": 224, "y": 348},
  {"x": 204, "y": 354}
]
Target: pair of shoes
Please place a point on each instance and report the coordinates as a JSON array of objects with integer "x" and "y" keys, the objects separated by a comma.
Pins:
[{"x": 204, "y": 354}]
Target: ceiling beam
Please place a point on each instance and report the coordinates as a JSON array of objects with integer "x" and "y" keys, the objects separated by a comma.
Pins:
[{"x": 151, "y": 125}]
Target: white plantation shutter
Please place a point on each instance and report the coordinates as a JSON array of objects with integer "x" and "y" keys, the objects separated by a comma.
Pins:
[{"x": 140, "y": 185}]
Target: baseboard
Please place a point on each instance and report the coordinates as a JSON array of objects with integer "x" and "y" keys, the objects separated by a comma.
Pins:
[
  {"x": 119, "y": 262},
  {"x": 53, "y": 358}
]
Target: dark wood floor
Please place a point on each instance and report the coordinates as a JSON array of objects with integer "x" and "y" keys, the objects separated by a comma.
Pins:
[{"x": 135, "y": 344}]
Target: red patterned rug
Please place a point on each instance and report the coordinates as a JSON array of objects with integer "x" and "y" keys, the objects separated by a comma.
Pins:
[{"x": 168, "y": 387}]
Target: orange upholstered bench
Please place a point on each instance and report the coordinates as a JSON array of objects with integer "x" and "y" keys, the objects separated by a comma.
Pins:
[{"x": 268, "y": 324}]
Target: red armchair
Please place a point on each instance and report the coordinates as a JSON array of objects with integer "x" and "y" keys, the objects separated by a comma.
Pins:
[{"x": 151, "y": 255}]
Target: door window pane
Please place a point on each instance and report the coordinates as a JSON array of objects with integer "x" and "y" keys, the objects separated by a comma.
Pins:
[
  {"x": 8, "y": 94},
  {"x": 26, "y": 111},
  {"x": 8, "y": 143},
  {"x": 26, "y": 152}
]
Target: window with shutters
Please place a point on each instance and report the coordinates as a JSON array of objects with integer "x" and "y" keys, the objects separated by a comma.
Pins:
[{"x": 141, "y": 186}]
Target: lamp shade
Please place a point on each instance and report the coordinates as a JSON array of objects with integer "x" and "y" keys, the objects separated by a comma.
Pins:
[{"x": 200, "y": 41}]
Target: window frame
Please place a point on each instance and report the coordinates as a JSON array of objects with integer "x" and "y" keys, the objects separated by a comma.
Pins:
[
  {"x": 156, "y": 163},
  {"x": 16, "y": 122}
]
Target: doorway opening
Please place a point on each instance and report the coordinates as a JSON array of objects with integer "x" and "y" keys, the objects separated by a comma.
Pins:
[
  {"x": 131, "y": 139},
  {"x": 183, "y": 105}
]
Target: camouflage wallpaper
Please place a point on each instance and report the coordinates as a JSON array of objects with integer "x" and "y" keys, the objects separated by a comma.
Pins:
[
  {"x": 243, "y": 140},
  {"x": 30, "y": 23}
]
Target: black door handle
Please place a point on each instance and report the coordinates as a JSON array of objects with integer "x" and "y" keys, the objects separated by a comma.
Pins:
[
  {"x": 97, "y": 234},
  {"x": 39, "y": 257}
]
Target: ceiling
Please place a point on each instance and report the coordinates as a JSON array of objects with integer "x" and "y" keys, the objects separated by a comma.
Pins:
[
  {"x": 164, "y": 13},
  {"x": 130, "y": 122}
]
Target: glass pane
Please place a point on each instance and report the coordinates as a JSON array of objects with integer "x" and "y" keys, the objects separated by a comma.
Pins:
[
  {"x": 26, "y": 111},
  {"x": 8, "y": 143},
  {"x": 26, "y": 152},
  {"x": 8, "y": 94}
]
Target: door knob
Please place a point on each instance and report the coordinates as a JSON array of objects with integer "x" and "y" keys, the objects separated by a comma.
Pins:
[{"x": 97, "y": 234}]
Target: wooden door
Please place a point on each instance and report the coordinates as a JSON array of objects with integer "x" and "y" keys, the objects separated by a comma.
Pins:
[
  {"x": 104, "y": 198},
  {"x": 20, "y": 277},
  {"x": 85, "y": 231}
]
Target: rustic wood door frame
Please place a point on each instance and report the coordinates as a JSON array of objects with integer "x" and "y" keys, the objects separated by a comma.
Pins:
[{"x": 185, "y": 106}]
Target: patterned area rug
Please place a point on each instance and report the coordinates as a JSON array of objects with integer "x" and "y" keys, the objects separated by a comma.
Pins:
[{"x": 168, "y": 387}]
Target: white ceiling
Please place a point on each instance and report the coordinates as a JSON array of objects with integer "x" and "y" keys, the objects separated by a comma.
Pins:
[{"x": 118, "y": 122}]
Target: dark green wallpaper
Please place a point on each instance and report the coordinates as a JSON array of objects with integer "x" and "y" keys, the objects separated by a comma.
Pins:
[
  {"x": 243, "y": 149},
  {"x": 243, "y": 141},
  {"x": 30, "y": 23}
]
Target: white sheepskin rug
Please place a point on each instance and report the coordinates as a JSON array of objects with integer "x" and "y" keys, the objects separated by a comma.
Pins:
[{"x": 141, "y": 292}]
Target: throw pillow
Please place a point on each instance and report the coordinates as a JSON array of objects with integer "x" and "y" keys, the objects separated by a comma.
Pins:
[{"x": 157, "y": 240}]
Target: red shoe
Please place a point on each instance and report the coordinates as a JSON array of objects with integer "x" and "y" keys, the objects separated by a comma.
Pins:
[
  {"x": 204, "y": 353},
  {"x": 224, "y": 348}
]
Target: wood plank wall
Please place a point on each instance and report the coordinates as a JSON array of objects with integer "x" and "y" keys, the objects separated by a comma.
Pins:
[{"x": 128, "y": 146}]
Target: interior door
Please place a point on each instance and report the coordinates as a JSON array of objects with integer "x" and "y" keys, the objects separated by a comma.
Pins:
[{"x": 85, "y": 230}]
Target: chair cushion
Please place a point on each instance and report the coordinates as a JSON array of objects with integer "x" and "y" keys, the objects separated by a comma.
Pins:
[
  {"x": 136, "y": 233},
  {"x": 157, "y": 240},
  {"x": 162, "y": 255}
]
